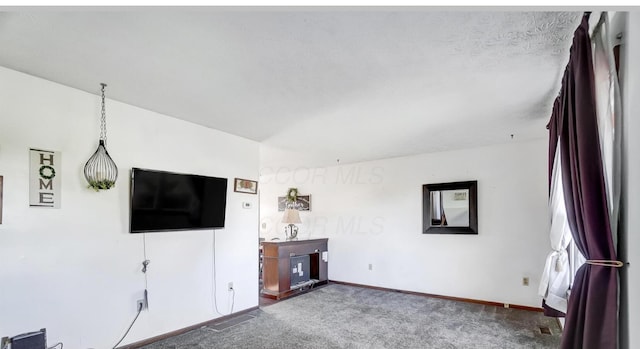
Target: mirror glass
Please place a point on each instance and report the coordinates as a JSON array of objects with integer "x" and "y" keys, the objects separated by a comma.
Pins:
[{"x": 450, "y": 208}]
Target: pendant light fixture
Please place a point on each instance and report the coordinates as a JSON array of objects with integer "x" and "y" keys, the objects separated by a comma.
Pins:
[{"x": 100, "y": 170}]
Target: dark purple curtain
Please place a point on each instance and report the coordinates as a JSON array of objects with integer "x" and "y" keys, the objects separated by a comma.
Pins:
[{"x": 592, "y": 314}]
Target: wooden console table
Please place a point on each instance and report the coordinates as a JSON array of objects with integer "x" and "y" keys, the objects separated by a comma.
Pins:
[{"x": 276, "y": 268}]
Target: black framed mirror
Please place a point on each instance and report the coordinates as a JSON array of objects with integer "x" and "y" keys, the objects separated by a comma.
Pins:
[{"x": 450, "y": 208}]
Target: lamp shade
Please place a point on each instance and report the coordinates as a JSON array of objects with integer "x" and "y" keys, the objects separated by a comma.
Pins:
[{"x": 291, "y": 216}]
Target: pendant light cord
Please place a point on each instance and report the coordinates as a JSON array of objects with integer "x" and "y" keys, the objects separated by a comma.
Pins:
[{"x": 103, "y": 119}]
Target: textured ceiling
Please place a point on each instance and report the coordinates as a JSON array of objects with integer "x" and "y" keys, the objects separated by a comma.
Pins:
[{"x": 312, "y": 85}]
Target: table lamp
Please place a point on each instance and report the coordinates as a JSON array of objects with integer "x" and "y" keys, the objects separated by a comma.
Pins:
[{"x": 291, "y": 216}]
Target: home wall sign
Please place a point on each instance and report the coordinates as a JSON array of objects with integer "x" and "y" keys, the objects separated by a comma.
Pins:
[{"x": 44, "y": 178}]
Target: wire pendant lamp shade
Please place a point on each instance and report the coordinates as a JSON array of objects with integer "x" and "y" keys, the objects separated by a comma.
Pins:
[{"x": 100, "y": 171}]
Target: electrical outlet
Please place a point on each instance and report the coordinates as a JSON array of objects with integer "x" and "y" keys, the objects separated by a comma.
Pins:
[
  {"x": 141, "y": 304},
  {"x": 525, "y": 281},
  {"x": 370, "y": 266},
  {"x": 230, "y": 286}
]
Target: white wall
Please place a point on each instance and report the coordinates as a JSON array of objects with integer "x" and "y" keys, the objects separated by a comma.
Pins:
[
  {"x": 76, "y": 270},
  {"x": 631, "y": 172},
  {"x": 372, "y": 214}
]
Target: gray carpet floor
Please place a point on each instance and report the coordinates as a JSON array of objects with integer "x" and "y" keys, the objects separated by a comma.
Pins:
[{"x": 339, "y": 316}]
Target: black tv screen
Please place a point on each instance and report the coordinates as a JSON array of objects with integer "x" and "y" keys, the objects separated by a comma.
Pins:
[{"x": 165, "y": 201}]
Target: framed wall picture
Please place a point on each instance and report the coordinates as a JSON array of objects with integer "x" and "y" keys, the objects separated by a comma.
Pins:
[
  {"x": 0, "y": 199},
  {"x": 303, "y": 202},
  {"x": 245, "y": 186}
]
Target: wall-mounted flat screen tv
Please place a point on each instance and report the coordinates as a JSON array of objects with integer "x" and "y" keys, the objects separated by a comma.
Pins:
[{"x": 165, "y": 201}]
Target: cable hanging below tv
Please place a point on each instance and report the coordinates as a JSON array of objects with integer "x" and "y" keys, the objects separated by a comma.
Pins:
[{"x": 165, "y": 201}]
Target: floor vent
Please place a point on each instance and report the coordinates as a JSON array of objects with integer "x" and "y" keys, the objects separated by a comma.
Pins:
[
  {"x": 545, "y": 330},
  {"x": 231, "y": 322}
]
